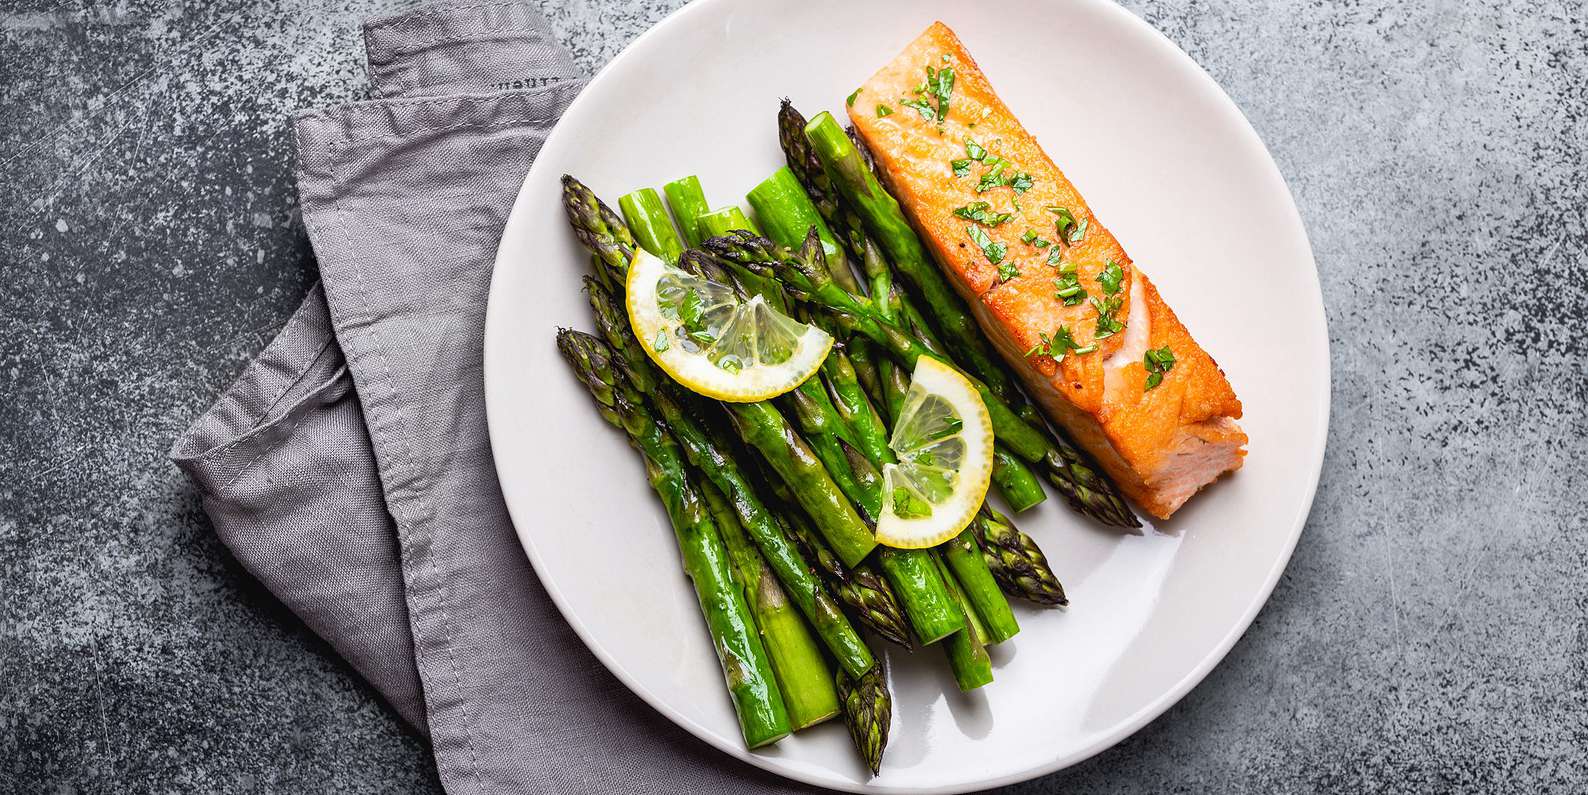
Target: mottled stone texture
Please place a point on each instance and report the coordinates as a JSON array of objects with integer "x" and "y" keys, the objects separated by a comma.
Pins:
[{"x": 1430, "y": 633}]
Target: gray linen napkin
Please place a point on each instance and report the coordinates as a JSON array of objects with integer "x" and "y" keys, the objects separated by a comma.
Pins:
[{"x": 349, "y": 467}]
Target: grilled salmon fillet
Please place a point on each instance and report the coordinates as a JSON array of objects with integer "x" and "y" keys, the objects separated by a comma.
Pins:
[{"x": 1082, "y": 355}]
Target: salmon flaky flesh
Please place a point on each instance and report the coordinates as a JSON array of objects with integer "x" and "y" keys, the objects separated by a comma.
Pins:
[{"x": 1160, "y": 444}]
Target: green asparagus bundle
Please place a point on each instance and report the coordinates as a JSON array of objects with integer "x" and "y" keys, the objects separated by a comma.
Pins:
[
  {"x": 780, "y": 567},
  {"x": 867, "y": 704}
]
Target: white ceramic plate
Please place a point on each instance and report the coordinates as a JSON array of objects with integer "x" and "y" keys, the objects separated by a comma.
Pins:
[{"x": 1176, "y": 172}]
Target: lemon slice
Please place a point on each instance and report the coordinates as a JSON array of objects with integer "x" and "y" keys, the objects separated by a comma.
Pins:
[
  {"x": 715, "y": 343},
  {"x": 944, "y": 442}
]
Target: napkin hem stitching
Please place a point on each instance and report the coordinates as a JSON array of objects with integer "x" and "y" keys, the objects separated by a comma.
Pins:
[{"x": 370, "y": 331}]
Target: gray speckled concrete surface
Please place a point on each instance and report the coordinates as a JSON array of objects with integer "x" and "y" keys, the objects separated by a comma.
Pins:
[{"x": 1430, "y": 634}]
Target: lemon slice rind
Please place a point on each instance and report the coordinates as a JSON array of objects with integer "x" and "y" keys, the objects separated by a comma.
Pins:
[{"x": 692, "y": 366}]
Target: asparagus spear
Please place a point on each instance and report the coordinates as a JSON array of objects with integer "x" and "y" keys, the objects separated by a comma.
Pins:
[
  {"x": 817, "y": 423},
  {"x": 762, "y": 427},
  {"x": 863, "y": 355},
  {"x": 763, "y": 716},
  {"x": 687, "y": 202},
  {"x": 1015, "y": 481},
  {"x": 868, "y": 712},
  {"x": 967, "y": 651},
  {"x": 964, "y": 558},
  {"x": 895, "y": 384},
  {"x": 723, "y": 221},
  {"x": 648, "y": 221},
  {"x": 866, "y": 592},
  {"x": 1086, "y": 489},
  {"x": 787, "y": 214},
  {"x": 850, "y": 401},
  {"x": 1015, "y": 560},
  {"x": 805, "y": 278},
  {"x": 802, "y": 675},
  {"x": 600, "y": 229}
]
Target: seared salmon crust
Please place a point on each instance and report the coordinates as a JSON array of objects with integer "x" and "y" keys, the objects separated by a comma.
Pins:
[{"x": 1160, "y": 444}]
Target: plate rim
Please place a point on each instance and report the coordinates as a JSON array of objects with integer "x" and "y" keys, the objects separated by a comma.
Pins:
[{"x": 1122, "y": 729}]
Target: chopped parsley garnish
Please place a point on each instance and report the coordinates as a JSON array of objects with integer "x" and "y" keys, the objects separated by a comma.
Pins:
[
  {"x": 921, "y": 107},
  {"x": 1007, "y": 270},
  {"x": 1054, "y": 255},
  {"x": 691, "y": 310},
  {"x": 961, "y": 167},
  {"x": 1107, "y": 324},
  {"x": 884, "y": 110},
  {"x": 1157, "y": 361},
  {"x": 992, "y": 177},
  {"x": 993, "y": 250},
  {"x": 1058, "y": 346},
  {"x": 1068, "y": 286},
  {"x": 938, "y": 87},
  {"x": 1070, "y": 230},
  {"x": 941, "y": 86},
  {"x": 1030, "y": 238},
  {"x": 691, "y": 313},
  {"x": 1111, "y": 277},
  {"x": 661, "y": 343},
  {"x": 849, "y": 101},
  {"x": 980, "y": 212}
]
